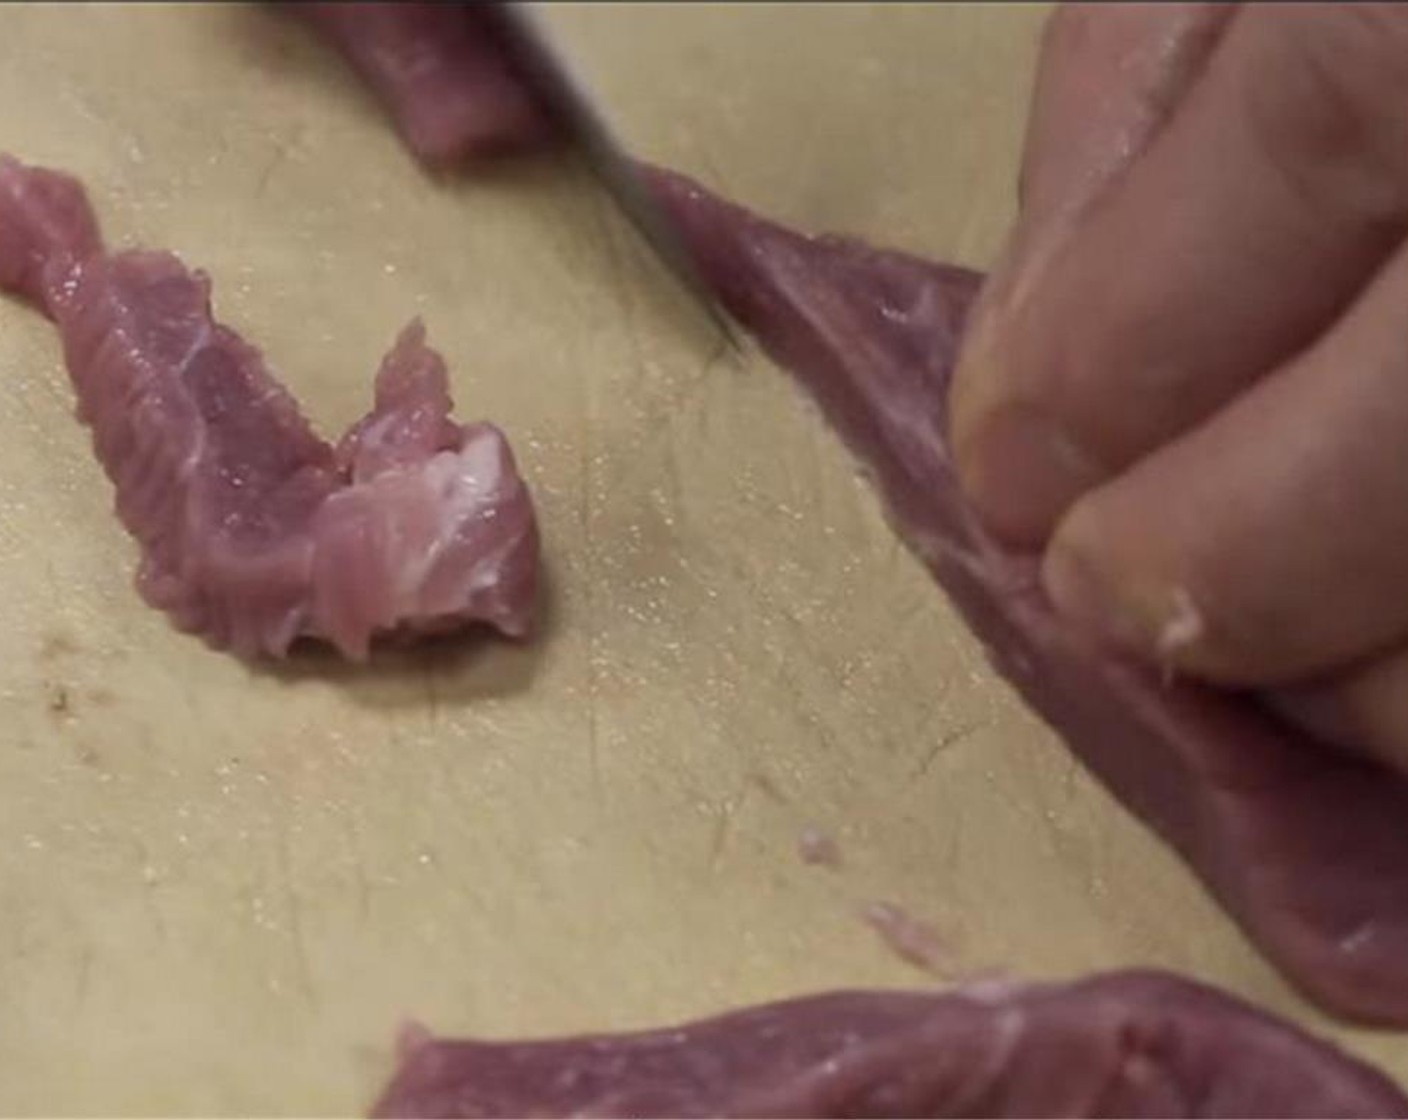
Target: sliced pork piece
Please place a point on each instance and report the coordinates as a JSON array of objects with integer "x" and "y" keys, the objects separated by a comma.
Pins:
[
  {"x": 1123, "y": 1044},
  {"x": 254, "y": 531},
  {"x": 1306, "y": 848},
  {"x": 438, "y": 71}
]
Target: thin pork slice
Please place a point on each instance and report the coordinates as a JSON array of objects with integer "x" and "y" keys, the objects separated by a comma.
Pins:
[
  {"x": 255, "y": 532},
  {"x": 1121, "y": 1044},
  {"x": 1306, "y": 848},
  {"x": 440, "y": 73}
]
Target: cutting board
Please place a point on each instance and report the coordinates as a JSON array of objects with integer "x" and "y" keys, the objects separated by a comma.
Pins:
[{"x": 223, "y": 888}]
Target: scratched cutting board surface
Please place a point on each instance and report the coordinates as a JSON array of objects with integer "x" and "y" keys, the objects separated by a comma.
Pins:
[{"x": 224, "y": 888}]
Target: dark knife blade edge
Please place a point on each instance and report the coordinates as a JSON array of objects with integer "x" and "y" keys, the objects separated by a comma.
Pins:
[{"x": 549, "y": 74}]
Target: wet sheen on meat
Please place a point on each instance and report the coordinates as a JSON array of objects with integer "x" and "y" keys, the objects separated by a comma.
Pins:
[
  {"x": 1122, "y": 1044},
  {"x": 1305, "y": 847},
  {"x": 255, "y": 532}
]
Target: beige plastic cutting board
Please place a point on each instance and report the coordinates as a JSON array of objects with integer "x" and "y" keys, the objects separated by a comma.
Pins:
[{"x": 221, "y": 889}]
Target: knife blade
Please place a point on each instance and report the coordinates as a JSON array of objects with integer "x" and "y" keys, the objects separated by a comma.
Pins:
[{"x": 549, "y": 73}]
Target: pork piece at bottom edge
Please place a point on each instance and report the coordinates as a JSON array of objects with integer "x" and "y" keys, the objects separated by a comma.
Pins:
[
  {"x": 254, "y": 532},
  {"x": 1119, "y": 1044}
]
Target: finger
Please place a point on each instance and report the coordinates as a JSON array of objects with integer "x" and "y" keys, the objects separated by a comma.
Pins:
[
  {"x": 1107, "y": 78},
  {"x": 1264, "y": 204},
  {"x": 1270, "y": 542},
  {"x": 1363, "y": 709}
]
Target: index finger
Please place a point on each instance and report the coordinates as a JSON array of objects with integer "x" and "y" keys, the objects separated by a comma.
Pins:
[
  {"x": 1108, "y": 77},
  {"x": 1276, "y": 189}
]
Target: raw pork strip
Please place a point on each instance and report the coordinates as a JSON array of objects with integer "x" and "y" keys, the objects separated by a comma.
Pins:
[
  {"x": 253, "y": 531},
  {"x": 1121, "y": 1044},
  {"x": 438, "y": 71},
  {"x": 1305, "y": 847}
]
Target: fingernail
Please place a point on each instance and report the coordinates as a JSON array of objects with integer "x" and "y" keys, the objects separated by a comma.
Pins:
[
  {"x": 1145, "y": 617},
  {"x": 1022, "y": 472}
]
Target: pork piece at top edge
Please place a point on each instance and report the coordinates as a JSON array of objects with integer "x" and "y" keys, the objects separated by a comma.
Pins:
[
  {"x": 440, "y": 73},
  {"x": 1118, "y": 1044},
  {"x": 254, "y": 532},
  {"x": 1304, "y": 846}
]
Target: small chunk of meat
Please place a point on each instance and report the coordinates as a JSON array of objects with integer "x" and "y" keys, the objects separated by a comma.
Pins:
[
  {"x": 818, "y": 848},
  {"x": 911, "y": 939},
  {"x": 254, "y": 532},
  {"x": 439, "y": 71}
]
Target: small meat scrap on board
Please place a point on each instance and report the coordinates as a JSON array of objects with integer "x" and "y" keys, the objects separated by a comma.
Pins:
[
  {"x": 439, "y": 72},
  {"x": 255, "y": 532},
  {"x": 818, "y": 847},
  {"x": 911, "y": 939},
  {"x": 1119, "y": 1044}
]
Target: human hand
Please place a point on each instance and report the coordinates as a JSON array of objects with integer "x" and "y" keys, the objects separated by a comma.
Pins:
[{"x": 1187, "y": 381}]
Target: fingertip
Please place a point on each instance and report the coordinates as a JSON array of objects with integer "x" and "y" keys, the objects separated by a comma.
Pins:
[
  {"x": 1088, "y": 598},
  {"x": 1125, "y": 608},
  {"x": 1022, "y": 471},
  {"x": 1017, "y": 461}
]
